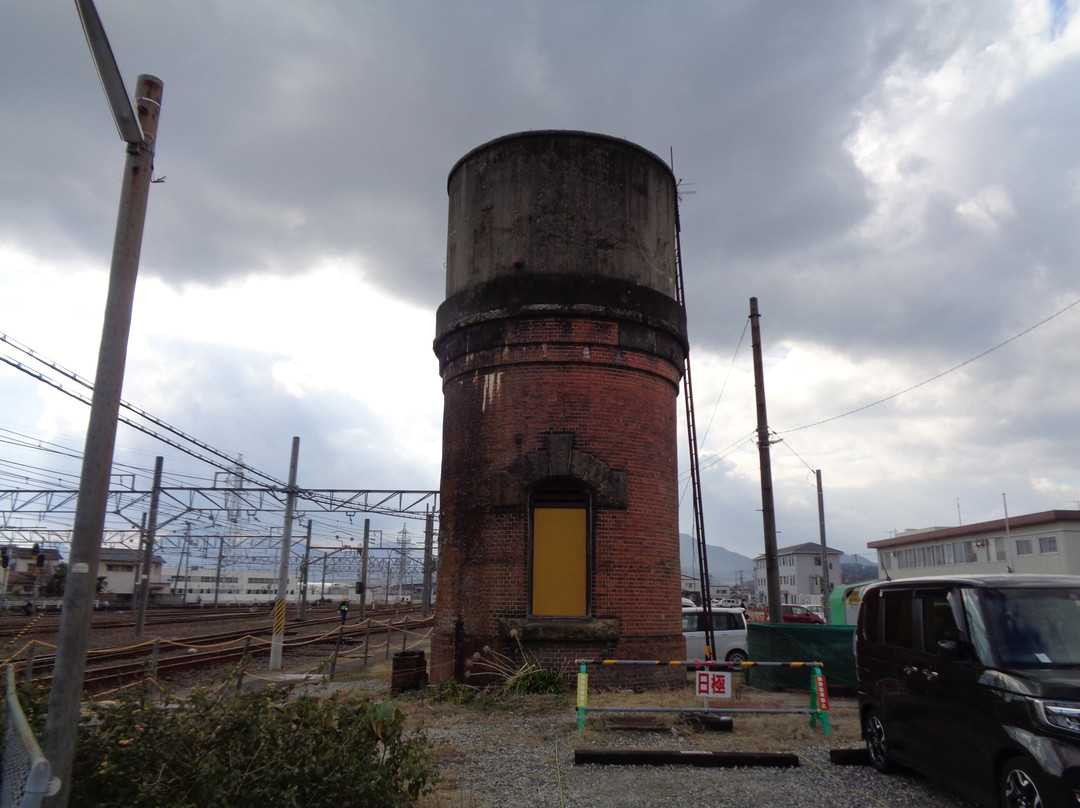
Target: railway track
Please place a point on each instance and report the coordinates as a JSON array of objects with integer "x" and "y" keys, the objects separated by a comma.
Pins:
[
  {"x": 162, "y": 658},
  {"x": 49, "y": 622}
]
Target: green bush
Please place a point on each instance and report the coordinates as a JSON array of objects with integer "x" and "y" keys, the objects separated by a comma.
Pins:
[{"x": 252, "y": 749}]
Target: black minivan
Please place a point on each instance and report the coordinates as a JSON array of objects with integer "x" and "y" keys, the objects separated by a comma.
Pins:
[{"x": 975, "y": 681}]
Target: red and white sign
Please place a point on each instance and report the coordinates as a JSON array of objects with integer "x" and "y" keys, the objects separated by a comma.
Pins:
[
  {"x": 714, "y": 685},
  {"x": 822, "y": 693}
]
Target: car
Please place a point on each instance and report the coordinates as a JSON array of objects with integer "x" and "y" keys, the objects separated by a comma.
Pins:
[
  {"x": 974, "y": 681},
  {"x": 800, "y": 614},
  {"x": 729, "y": 634}
]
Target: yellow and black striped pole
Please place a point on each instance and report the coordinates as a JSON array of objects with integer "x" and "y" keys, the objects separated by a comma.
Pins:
[{"x": 277, "y": 641}]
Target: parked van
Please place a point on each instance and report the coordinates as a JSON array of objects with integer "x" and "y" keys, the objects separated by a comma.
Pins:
[
  {"x": 975, "y": 681},
  {"x": 729, "y": 633}
]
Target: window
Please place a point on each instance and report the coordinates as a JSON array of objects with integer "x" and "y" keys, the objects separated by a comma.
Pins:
[
  {"x": 560, "y": 557},
  {"x": 1047, "y": 544},
  {"x": 896, "y": 619},
  {"x": 999, "y": 548},
  {"x": 939, "y": 623},
  {"x": 1023, "y": 547}
]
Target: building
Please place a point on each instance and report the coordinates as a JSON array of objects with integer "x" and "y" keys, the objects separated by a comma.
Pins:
[
  {"x": 1039, "y": 543},
  {"x": 116, "y": 572},
  {"x": 561, "y": 345},
  {"x": 27, "y": 572},
  {"x": 198, "y": 584},
  {"x": 120, "y": 569},
  {"x": 801, "y": 575}
]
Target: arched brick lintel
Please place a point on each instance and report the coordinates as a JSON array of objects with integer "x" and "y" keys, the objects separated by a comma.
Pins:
[{"x": 561, "y": 460}]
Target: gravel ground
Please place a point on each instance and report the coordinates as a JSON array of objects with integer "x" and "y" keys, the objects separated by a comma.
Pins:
[
  {"x": 524, "y": 756},
  {"x": 537, "y": 769}
]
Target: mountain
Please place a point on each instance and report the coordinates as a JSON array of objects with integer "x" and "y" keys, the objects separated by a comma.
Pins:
[{"x": 724, "y": 566}]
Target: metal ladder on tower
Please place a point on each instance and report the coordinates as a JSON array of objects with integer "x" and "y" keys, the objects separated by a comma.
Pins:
[{"x": 695, "y": 470}]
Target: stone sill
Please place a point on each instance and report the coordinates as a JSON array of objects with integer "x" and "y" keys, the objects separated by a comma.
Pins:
[{"x": 565, "y": 629}]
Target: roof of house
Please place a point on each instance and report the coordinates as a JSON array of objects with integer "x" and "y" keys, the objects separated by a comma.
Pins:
[
  {"x": 122, "y": 554},
  {"x": 28, "y": 552},
  {"x": 933, "y": 534},
  {"x": 804, "y": 548}
]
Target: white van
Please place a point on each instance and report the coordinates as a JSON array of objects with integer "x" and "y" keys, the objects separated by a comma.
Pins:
[{"x": 729, "y": 633}]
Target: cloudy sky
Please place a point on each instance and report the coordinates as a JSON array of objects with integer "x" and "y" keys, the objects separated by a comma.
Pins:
[{"x": 898, "y": 183}]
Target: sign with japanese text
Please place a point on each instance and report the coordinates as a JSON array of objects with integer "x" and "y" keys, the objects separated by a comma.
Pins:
[{"x": 714, "y": 685}]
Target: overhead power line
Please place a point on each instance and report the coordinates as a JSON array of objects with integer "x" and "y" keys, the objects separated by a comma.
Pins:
[
  {"x": 933, "y": 378},
  {"x": 229, "y": 464}
]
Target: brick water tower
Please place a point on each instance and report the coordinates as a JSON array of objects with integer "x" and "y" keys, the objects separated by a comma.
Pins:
[{"x": 561, "y": 346}]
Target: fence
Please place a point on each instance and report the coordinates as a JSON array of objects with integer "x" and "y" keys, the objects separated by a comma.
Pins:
[
  {"x": 819, "y": 695},
  {"x": 26, "y": 776}
]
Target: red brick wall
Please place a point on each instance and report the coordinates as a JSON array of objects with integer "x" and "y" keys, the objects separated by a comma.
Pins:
[{"x": 503, "y": 398}]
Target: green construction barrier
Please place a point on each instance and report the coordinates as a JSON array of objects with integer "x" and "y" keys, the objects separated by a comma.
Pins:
[{"x": 831, "y": 645}]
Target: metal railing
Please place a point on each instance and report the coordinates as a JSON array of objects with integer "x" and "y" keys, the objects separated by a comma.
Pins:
[{"x": 26, "y": 778}]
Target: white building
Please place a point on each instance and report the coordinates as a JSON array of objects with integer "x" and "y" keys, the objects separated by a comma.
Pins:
[
  {"x": 1039, "y": 543},
  {"x": 198, "y": 584},
  {"x": 119, "y": 567},
  {"x": 801, "y": 575}
]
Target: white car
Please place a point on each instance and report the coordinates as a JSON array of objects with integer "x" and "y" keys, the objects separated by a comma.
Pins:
[{"x": 729, "y": 633}]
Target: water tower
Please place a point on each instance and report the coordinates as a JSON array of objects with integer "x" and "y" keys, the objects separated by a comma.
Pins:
[{"x": 561, "y": 346}]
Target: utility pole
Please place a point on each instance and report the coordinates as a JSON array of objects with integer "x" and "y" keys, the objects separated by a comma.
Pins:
[
  {"x": 185, "y": 555},
  {"x": 429, "y": 541},
  {"x": 363, "y": 569},
  {"x": 768, "y": 513},
  {"x": 139, "y": 131},
  {"x": 148, "y": 549},
  {"x": 304, "y": 573},
  {"x": 217, "y": 569},
  {"x": 277, "y": 640},
  {"x": 826, "y": 588}
]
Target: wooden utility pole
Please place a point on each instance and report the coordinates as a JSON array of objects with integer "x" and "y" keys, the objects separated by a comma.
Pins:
[{"x": 768, "y": 513}]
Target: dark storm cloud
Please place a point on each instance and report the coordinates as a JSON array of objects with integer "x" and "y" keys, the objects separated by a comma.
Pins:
[{"x": 897, "y": 183}]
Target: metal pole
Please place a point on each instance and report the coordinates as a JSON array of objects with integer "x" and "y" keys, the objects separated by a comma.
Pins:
[
  {"x": 277, "y": 640},
  {"x": 62, "y": 723},
  {"x": 429, "y": 540},
  {"x": 217, "y": 569},
  {"x": 363, "y": 570},
  {"x": 304, "y": 573},
  {"x": 322, "y": 586},
  {"x": 187, "y": 564},
  {"x": 768, "y": 513},
  {"x": 137, "y": 576},
  {"x": 826, "y": 588},
  {"x": 148, "y": 550}
]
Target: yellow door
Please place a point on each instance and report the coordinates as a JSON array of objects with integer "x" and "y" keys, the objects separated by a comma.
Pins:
[{"x": 558, "y": 562}]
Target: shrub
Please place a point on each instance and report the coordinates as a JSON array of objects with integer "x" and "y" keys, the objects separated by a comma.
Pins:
[
  {"x": 520, "y": 677},
  {"x": 251, "y": 749},
  {"x": 449, "y": 691}
]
